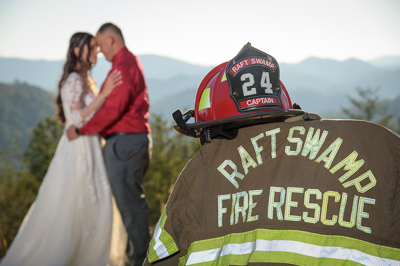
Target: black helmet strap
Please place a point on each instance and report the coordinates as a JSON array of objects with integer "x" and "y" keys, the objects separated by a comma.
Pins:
[{"x": 182, "y": 119}]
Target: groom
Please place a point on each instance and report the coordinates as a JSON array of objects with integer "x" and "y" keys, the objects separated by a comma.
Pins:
[{"x": 123, "y": 122}]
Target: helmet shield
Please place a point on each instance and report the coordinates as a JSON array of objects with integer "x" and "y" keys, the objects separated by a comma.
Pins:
[{"x": 253, "y": 78}]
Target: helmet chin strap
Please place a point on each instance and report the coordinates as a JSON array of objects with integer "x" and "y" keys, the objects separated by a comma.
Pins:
[{"x": 181, "y": 120}]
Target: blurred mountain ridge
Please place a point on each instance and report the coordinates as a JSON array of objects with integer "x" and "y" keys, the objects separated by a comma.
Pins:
[{"x": 318, "y": 85}]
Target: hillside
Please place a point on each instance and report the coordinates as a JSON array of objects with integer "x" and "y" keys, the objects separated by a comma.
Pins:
[
  {"x": 46, "y": 74},
  {"x": 21, "y": 106},
  {"x": 319, "y": 85}
]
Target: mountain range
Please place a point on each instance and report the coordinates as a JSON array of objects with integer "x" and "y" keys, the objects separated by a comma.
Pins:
[
  {"x": 319, "y": 85},
  {"x": 323, "y": 86},
  {"x": 21, "y": 107}
]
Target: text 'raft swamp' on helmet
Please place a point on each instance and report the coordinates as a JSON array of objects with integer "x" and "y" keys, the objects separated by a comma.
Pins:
[{"x": 244, "y": 91}]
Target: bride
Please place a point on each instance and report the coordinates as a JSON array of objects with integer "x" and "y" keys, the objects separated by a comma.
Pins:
[{"x": 71, "y": 220}]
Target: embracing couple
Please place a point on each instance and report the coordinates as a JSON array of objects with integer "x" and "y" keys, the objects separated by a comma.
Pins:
[{"x": 71, "y": 221}]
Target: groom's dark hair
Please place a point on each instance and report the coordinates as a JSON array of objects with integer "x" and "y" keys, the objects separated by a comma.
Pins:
[{"x": 111, "y": 27}]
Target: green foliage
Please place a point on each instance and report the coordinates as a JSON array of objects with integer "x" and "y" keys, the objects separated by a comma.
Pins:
[
  {"x": 21, "y": 107},
  {"x": 19, "y": 187},
  {"x": 17, "y": 192},
  {"x": 369, "y": 107},
  {"x": 24, "y": 119},
  {"x": 41, "y": 146},
  {"x": 171, "y": 152}
]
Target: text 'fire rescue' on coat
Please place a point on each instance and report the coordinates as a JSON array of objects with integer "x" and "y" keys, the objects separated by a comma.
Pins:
[{"x": 312, "y": 145}]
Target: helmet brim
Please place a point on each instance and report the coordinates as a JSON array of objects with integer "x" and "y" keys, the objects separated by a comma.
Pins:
[
  {"x": 198, "y": 126},
  {"x": 203, "y": 124}
]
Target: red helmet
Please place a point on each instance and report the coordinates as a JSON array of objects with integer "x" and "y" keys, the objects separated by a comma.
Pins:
[{"x": 245, "y": 88}]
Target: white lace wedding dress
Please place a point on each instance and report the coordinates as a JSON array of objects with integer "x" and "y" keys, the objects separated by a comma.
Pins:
[{"x": 71, "y": 221}]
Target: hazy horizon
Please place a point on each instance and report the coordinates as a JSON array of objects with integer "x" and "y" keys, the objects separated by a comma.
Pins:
[
  {"x": 101, "y": 56},
  {"x": 208, "y": 32}
]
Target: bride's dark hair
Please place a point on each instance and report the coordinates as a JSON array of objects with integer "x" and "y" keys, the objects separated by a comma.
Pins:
[{"x": 79, "y": 39}]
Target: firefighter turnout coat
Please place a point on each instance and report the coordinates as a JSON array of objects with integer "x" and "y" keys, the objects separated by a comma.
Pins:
[{"x": 320, "y": 192}]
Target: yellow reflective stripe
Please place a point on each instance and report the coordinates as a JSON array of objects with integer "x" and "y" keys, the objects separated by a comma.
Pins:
[
  {"x": 162, "y": 244},
  {"x": 224, "y": 77},
  {"x": 298, "y": 247},
  {"x": 205, "y": 100}
]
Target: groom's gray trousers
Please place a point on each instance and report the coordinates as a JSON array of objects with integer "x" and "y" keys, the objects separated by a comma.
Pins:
[{"x": 127, "y": 158}]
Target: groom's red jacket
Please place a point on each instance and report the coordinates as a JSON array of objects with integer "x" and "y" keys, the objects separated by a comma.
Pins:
[{"x": 127, "y": 107}]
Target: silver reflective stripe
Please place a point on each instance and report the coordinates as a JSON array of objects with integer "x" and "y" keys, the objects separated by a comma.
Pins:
[
  {"x": 203, "y": 256},
  {"x": 291, "y": 247},
  {"x": 157, "y": 231},
  {"x": 159, "y": 246}
]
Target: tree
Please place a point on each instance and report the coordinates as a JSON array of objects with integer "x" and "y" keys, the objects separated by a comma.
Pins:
[
  {"x": 41, "y": 146},
  {"x": 369, "y": 107},
  {"x": 17, "y": 192},
  {"x": 171, "y": 152},
  {"x": 19, "y": 187}
]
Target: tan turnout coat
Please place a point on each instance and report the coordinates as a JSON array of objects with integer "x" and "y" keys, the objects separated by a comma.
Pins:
[{"x": 300, "y": 192}]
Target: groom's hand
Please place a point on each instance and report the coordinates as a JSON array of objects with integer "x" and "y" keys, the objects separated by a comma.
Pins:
[{"x": 71, "y": 133}]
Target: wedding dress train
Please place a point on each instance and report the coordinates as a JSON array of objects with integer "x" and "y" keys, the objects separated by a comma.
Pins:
[{"x": 71, "y": 221}]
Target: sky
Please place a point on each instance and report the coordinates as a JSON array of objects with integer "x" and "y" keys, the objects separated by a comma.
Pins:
[{"x": 207, "y": 32}]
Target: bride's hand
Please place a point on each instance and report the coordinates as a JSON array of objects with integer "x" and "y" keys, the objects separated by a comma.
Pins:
[{"x": 113, "y": 80}]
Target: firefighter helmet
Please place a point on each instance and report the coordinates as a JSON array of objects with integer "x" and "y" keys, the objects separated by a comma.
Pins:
[{"x": 247, "y": 87}]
